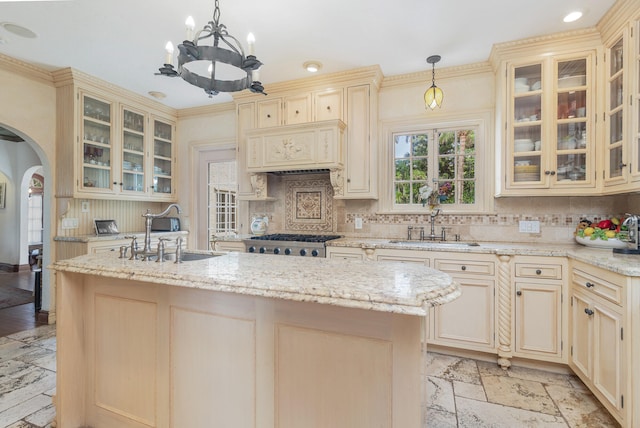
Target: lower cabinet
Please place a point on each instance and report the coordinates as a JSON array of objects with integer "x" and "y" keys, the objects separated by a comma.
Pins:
[
  {"x": 539, "y": 320},
  {"x": 598, "y": 345},
  {"x": 345, "y": 253},
  {"x": 468, "y": 322}
]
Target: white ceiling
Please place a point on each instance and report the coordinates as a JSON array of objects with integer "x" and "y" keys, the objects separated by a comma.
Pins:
[{"x": 122, "y": 41}]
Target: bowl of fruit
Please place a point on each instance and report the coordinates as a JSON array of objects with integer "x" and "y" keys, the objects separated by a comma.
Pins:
[{"x": 603, "y": 234}]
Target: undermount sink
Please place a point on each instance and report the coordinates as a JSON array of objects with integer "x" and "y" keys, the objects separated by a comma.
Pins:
[
  {"x": 431, "y": 243},
  {"x": 190, "y": 257}
]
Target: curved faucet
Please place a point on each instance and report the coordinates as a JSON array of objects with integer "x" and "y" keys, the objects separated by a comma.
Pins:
[{"x": 148, "y": 216}]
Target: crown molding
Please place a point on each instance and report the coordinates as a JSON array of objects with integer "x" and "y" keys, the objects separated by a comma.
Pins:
[
  {"x": 617, "y": 16},
  {"x": 556, "y": 41},
  {"x": 442, "y": 74},
  {"x": 207, "y": 110},
  {"x": 70, "y": 76},
  {"x": 371, "y": 74},
  {"x": 25, "y": 69}
]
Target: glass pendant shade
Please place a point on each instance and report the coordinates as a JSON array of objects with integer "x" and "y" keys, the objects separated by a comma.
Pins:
[{"x": 433, "y": 97}]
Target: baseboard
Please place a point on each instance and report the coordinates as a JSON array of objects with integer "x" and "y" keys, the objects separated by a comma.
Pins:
[
  {"x": 42, "y": 317},
  {"x": 6, "y": 267}
]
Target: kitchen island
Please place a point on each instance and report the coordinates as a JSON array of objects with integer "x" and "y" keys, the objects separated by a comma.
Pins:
[{"x": 243, "y": 340}]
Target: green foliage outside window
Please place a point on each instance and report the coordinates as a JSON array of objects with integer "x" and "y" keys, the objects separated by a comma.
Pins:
[{"x": 445, "y": 161}]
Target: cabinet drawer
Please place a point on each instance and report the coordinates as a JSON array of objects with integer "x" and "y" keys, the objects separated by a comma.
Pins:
[
  {"x": 470, "y": 267},
  {"x": 597, "y": 286},
  {"x": 535, "y": 270}
]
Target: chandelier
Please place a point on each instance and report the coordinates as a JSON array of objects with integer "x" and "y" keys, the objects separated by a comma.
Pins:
[
  {"x": 433, "y": 96},
  {"x": 225, "y": 49}
]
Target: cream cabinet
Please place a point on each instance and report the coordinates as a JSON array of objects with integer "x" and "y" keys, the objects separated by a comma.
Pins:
[
  {"x": 550, "y": 125},
  {"x": 539, "y": 322},
  {"x": 327, "y": 105},
  {"x": 468, "y": 322},
  {"x": 306, "y": 107},
  {"x": 358, "y": 179},
  {"x": 345, "y": 253},
  {"x": 598, "y": 346},
  {"x": 113, "y": 148}
]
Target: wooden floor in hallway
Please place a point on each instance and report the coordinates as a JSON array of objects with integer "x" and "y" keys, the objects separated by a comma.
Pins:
[{"x": 22, "y": 317}]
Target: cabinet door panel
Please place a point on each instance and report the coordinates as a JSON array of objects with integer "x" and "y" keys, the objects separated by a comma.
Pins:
[
  {"x": 607, "y": 353},
  {"x": 538, "y": 315},
  {"x": 297, "y": 109},
  {"x": 469, "y": 320},
  {"x": 269, "y": 113},
  {"x": 581, "y": 336},
  {"x": 328, "y": 105},
  {"x": 358, "y": 157}
]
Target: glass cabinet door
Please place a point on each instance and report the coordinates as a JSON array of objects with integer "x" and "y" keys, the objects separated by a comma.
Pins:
[
  {"x": 96, "y": 144},
  {"x": 572, "y": 116},
  {"x": 635, "y": 141},
  {"x": 614, "y": 132},
  {"x": 133, "y": 164},
  {"x": 526, "y": 140},
  {"x": 162, "y": 157}
]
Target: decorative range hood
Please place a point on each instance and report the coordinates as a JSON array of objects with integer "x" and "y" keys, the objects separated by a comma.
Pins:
[{"x": 296, "y": 148}]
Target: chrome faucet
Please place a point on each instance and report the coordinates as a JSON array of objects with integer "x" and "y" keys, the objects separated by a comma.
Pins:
[
  {"x": 432, "y": 236},
  {"x": 147, "y": 252}
]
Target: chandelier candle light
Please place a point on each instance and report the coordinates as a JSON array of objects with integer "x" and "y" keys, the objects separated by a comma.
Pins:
[
  {"x": 433, "y": 96},
  {"x": 228, "y": 52}
]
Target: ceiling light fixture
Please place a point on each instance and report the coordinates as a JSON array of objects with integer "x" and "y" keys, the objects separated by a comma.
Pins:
[
  {"x": 433, "y": 96},
  {"x": 18, "y": 30},
  {"x": 231, "y": 54},
  {"x": 572, "y": 16},
  {"x": 312, "y": 66}
]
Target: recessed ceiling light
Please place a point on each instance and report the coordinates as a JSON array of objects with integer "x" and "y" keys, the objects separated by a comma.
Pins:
[
  {"x": 157, "y": 94},
  {"x": 573, "y": 16},
  {"x": 312, "y": 66},
  {"x": 18, "y": 30}
]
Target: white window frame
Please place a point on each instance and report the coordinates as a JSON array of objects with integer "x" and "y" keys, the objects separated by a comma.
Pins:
[{"x": 484, "y": 167}]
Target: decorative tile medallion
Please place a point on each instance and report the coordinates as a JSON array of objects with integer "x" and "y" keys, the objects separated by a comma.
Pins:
[{"x": 309, "y": 204}]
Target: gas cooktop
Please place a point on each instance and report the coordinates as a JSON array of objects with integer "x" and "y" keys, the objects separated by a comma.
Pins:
[{"x": 295, "y": 237}]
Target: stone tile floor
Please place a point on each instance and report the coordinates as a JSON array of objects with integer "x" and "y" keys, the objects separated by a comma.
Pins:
[
  {"x": 461, "y": 392},
  {"x": 467, "y": 393}
]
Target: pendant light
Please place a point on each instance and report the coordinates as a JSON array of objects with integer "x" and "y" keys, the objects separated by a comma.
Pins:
[{"x": 433, "y": 96}]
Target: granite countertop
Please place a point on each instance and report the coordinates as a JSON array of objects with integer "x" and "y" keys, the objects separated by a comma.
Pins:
[
  {"x": 123, "y": 235},
  {"x": 603, "y": 258},
  {"x": 386, "y": 287}
]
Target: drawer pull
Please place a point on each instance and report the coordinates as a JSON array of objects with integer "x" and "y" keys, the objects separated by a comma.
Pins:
[
  {"x": 588, "y": 311},
  {"x": 463, "y": 267},
  {"x": 538, "y": 272},
  {"x": 518, "y": 293},
  {"x": 590, "y": 284}
]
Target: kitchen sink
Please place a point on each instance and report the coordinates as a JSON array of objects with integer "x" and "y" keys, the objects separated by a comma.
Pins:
[
  {"x": 190, "y": 257},
  {"x": 438, "y": 243}
]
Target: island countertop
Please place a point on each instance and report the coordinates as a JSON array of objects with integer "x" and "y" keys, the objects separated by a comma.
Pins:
[{"x": 390, "y": 287}]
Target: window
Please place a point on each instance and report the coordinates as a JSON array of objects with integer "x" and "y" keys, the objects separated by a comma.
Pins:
[
  {"x": 222, "y": 191},
  {"x": 439, "y": 164}
]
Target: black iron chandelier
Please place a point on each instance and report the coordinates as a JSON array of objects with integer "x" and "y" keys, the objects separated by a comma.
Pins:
[{"x": 225, "y": 49}]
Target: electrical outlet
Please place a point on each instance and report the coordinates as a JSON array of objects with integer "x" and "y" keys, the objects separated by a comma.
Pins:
[
  {"x": 532, "y": 226},
  {"x": 358, "y": 223},
  {"x": 69, "y": 223},
  {"x": 85, "y": 206}
]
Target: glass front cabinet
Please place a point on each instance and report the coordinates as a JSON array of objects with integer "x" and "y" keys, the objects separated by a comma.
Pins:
[
  {"x": 125, "y": 152},
  {"x": 549, "y": 139}
]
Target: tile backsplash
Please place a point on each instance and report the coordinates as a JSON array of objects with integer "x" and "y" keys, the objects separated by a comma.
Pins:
[{"x": 309, "y": 207}]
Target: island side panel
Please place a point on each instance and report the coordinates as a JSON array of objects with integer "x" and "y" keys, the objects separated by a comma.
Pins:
[
  {"x": 70, "y": 344},
  {"x": 215, "y": 356}
]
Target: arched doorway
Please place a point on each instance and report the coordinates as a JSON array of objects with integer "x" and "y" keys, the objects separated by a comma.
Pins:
[{"x": 20, "y": 156}]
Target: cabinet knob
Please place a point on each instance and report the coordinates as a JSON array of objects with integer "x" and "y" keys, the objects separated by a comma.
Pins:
[
  {"x": 590, "y": 284},
  {"x": 297, "y": 112},
  {"x": 549, "y": 172},
  {"x": 328, "y": 108},
  {"x": 269, "y": 116},
  {"x": 463, "y": 267},
  {"x": 538, "y": 272},
  {"x": 518, "y": 293},
  {"x": 622, "y": 165},
  {"x": 588, "y": 311}
]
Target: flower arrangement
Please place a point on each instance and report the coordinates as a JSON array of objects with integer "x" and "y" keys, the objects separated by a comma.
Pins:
[{"x": 444, "y": 190}]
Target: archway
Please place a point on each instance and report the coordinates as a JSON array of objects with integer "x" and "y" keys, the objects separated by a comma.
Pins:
[{"x": 17, "y": 157}]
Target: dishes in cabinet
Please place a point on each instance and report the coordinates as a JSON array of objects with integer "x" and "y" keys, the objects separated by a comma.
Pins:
[
  {"x": 571, "y": 81},
  {"x": 536, "y": 86},
  {"x": 526, "y": 172},
  {"x": 523, "y": 145}
]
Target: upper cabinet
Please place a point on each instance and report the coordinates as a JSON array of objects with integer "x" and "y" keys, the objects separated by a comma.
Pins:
[
  {"x": 300, "y": 128},
  {"x": 615, "y": 150},
  {"x": 112, "y": 148},
  {"x": 549, "y": 139}
]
